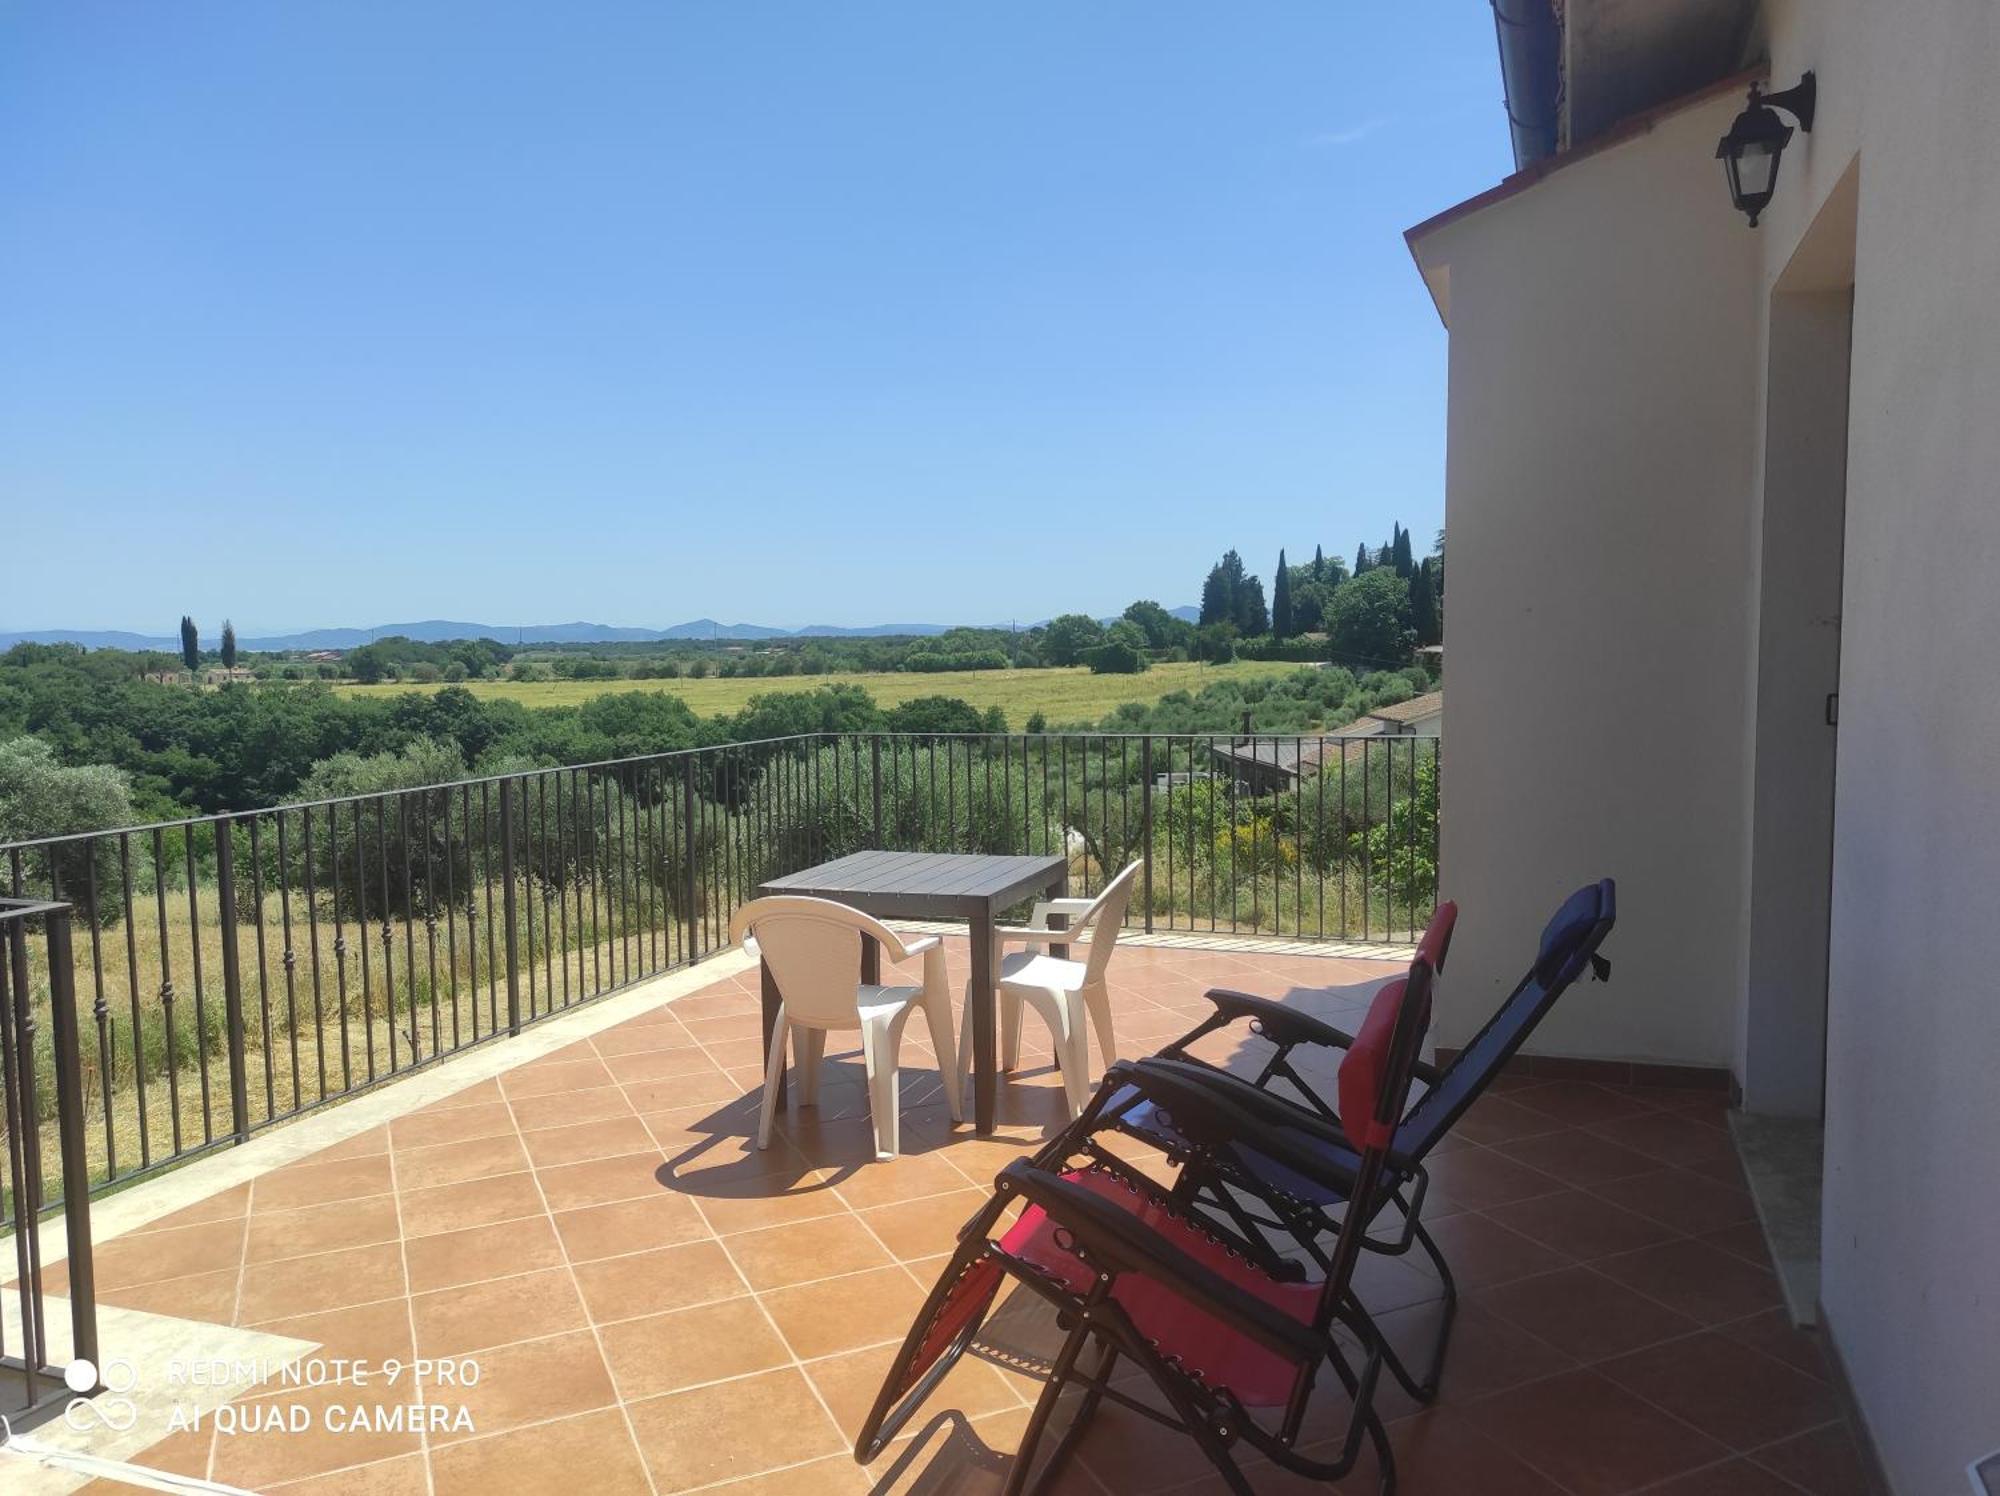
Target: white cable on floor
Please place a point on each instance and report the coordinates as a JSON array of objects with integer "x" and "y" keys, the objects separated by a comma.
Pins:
[{"x": 48, "y": 1456}]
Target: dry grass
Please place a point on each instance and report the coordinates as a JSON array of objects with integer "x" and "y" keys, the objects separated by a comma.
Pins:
[{"x": 1064, "y": 696}]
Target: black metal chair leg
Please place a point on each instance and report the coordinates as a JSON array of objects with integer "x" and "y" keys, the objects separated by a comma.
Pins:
[
  {"x": 1086, "y": 1410},
  {"x": 1045, "y": 1407}
]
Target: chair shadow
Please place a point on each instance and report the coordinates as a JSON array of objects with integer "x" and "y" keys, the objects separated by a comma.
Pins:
[
  {"x": 946, "y": 1457},
  {"x": 816, "y": 1148}
]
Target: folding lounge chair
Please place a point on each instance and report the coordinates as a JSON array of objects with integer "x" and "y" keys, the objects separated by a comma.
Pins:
[
  {"x": 1133, "y": 1274},
  {"x": 1291, "y": 1156}
]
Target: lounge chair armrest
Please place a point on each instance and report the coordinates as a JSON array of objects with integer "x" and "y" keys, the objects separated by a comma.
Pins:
[
  {"x": 1207, "y": 1106},
  {"x": 1118, "y": 1243},
  {"x": 918, "y": 946},
  {"x": 1278, "y": 1023}
]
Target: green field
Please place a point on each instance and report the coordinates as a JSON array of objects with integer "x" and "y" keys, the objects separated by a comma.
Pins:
[{"x": 1071, "y": 695}]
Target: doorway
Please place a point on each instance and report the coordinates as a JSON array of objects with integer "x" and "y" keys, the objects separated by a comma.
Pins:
[{"x": 1783, "y": 1073}]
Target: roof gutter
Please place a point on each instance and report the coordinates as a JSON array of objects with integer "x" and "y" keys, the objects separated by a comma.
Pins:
[{"x": 1530, "y": 37}]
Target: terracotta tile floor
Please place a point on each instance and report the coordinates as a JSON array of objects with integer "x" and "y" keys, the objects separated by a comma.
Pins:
[{"x": 655, "y": 1306}]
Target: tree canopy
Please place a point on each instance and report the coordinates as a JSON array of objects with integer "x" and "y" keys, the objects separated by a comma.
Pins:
[
  {"x": 1368, "y": 619},
  {"x": 1066, "y": 638}
]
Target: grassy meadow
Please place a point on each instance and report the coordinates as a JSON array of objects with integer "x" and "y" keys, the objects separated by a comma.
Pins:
[{"x": 1065, "y": 695}]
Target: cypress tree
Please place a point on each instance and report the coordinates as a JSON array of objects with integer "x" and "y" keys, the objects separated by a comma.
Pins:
[
  {"x": 1361, "y": 561},
  {"x": 1281, "y": 600},
  {"x": 228, "y": 645},
  {"x": 1215, "y": 604},
  {"x": 1251, "y": 617},
  {"x": 190, "y": 643},
  {"x": 1406, "y": 565},
  {"x": 1319, "y": 565},
  {"x": 1423, "y": 607}
]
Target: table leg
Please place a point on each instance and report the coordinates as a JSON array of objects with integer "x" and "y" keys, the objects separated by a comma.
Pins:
[
  {"x": 979, "y": 1013},
  {"x": 871, "y": 961},
  {"x": 769, "y": 985}
]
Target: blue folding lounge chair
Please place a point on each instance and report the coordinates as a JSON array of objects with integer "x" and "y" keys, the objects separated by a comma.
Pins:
[
  {"x": 1289, "y": 1155},
  {"x": 1132, "y": 1274}
]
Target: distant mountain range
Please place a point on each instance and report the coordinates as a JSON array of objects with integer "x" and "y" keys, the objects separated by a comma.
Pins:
[{"x": 438, "y": 630}]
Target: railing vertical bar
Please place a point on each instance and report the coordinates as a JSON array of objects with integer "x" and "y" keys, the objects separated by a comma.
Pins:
[
  {"x": 257, "y": 894},
  {"x": 566, "y": 854},
  {"x": 232, "y": 978},
  {"x": 1145, "y": 823},
  {"x": 82, "y": 1291},
  {"x": 1410, "y": 815},
  {"x": 1437, "y": 830},
  {"x": 596, "y": 873},
  {"x": 451, "y": 915},
  {"x": 312, "y": 930},
  {"x": 528, "y": 862},
  {"x": 1235, "y": 861},
  {"x": 385, "y": 939},
  {"x": 430, "y": 918},
  {"x": 23, "y": 1165},
  {"x": 287, "y": 957},
  {"x": 692, "y": 933},
  {"x": 493, "y": 975},
  {"x": 551, "y": 888},
  {"x": 1367, "y": 836},
  {"x": 1340, "y": 864},
  {"x": 510, "y": 900},
  {"x": 195, "y": 975},
  {"x": 405, "y": 850},
  {"x": 167, "y": 994},
  {"x": 1319, "y": 840},
  {"x": 1298, "y": 841},
  {"x": 628, "y": 883},
  {"x": 471, "y": 908},
  {"x": 132, "y": 994},
  {"x": 100, "y": 1006}
]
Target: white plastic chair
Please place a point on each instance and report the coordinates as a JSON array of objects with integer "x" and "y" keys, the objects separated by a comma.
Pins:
[
  {"x": 1063, "y": 991},
  {"x": 813, "y": 947}
]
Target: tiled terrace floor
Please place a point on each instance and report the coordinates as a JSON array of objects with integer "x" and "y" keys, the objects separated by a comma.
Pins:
[{"x": 654, "y": 1306}]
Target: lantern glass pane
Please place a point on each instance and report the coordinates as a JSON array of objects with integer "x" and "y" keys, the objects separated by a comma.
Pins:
[{"x": 1755, "y": 167}]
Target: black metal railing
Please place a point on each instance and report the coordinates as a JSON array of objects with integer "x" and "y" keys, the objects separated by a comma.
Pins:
[
  {"x": 242, "y": 970},
  {"x": 41, "y": 1077}
]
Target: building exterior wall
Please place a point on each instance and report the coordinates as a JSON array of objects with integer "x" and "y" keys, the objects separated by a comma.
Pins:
[
  {"x": 1600, "y": 462},
  {"x": 1605, "y": 504},
  {"x": 1911, "y": 1230}
]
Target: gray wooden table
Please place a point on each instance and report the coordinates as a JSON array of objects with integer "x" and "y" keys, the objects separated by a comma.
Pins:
[{"x": 931, "y": 885}]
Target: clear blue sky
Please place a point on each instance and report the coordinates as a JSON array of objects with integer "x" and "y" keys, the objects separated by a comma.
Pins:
[{"x": 366, "y": 310}]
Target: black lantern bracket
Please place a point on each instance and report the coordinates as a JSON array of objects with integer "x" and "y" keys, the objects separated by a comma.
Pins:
[{"x": 1798, "y": 101}]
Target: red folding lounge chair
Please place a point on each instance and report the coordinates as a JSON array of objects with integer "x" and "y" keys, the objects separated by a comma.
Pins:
[
  {"x": 1134, "y": 1274},
  {"x": 1264, "y": 1160}
]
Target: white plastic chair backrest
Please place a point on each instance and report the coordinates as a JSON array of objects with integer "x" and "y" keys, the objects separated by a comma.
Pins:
[
  {"x": 1104, "y": 919},
  {"x": 813, "y": 947}
]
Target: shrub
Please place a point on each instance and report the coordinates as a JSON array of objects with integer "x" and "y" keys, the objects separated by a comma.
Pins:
[
  {"x": 39, "y": 797},
  {"x": 1115, "y": 658}
]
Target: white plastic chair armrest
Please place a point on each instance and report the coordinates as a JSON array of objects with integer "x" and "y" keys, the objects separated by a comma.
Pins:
[
  {"x": 1045, "y": 907},
  {"x": 1009, "y": 934},
  {"x": 918, "y": 946}
]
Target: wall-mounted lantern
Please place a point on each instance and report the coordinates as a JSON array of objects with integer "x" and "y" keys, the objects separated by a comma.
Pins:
[{"x": 1750, "y": 151}]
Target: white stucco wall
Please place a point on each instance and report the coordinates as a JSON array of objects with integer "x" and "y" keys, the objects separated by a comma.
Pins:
[
  {"x": 1604, "y": 506},
  {"x": 1911, "y": 1237},
  {"x": 1601, "y": 452}
]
